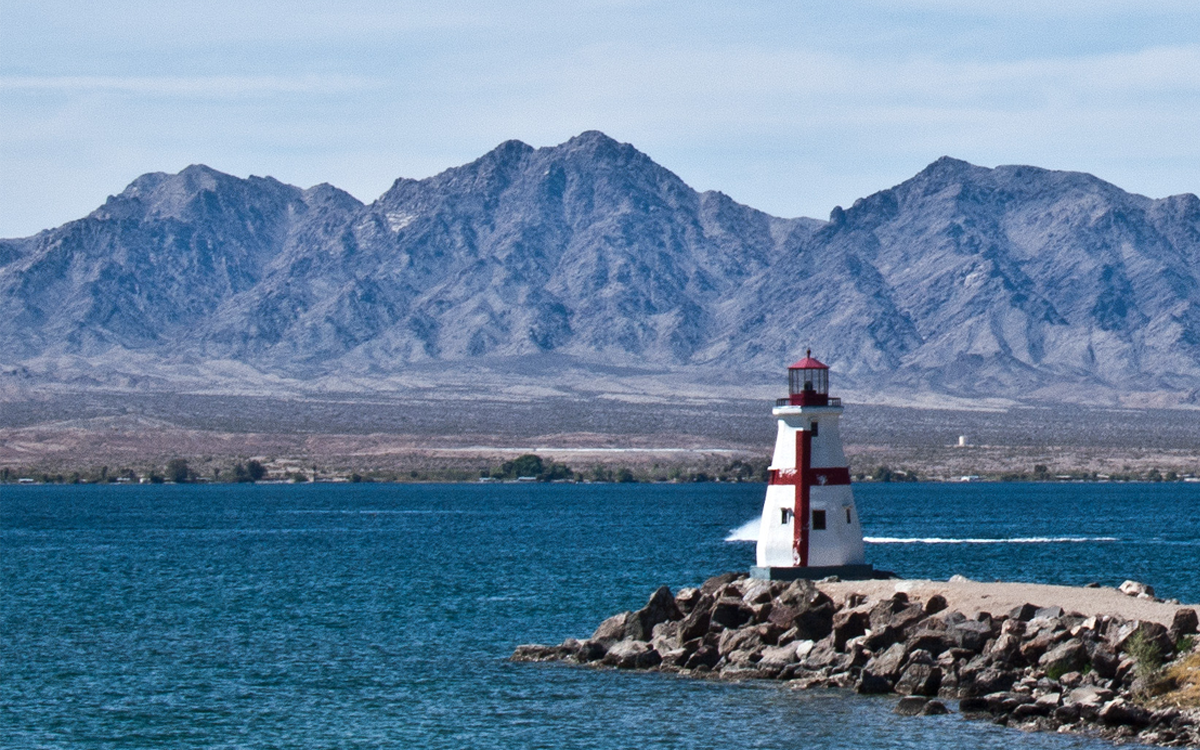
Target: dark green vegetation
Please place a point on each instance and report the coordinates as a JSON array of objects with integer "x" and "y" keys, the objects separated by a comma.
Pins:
[{"x": 527, "y": 467}]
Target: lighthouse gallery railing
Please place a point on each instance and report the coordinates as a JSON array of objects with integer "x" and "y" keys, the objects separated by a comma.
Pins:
[{"x": 833, "y": 401}]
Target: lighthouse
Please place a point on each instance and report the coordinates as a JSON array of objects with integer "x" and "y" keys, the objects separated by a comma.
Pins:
[{"x": 810, "y": 527}]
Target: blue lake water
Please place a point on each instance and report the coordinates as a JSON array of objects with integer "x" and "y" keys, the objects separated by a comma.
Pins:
[{"x": 363, "y": 616}]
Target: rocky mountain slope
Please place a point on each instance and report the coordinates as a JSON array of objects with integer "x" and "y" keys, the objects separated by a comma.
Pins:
[{"x": 588, "y": 257}]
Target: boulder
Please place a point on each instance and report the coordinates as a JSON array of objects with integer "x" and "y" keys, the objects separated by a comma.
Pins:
[
  {"x": 804, "y": 648},
  {"x": 1186, "y": 622},
  {"x": 856, "y": 657},
  {"x": 955, "y": 656},
  {"x": 660, "y": 608},
  {"x": 665, "y": 636},
  {"x": 590, "y": 651},
  {"x": 971, "y": 635},
  {"x": 729, "y": 614},
  {"x": 786, "y": 636},
  {"x": 1069, "y": 656},
  {"x": 741, "y": 661},
  {"x": 728, "y": 591},
  {"x": 933, "y": 641},
  {"x": 756, "y": 591},
  {"x": 907, "y": 618},
  {"x": 919, "y": 679},
  {"x": 776, "y": 658},
  {"x": 1023, "y": 613},
  {"x": 1027, "y": 711},
  {"x": 885, "y": 609},
  {"x": 799, "y": 593},
  {"x": 535, "y": 652},
  {"x": 910, "y": 705},
  {"x": 632, "y": 654},
  {"x": 697, "y": 622},
  {"x": 1043, "y": 641},
  {"x": 705, "y": 657},
  {"x": 872, "y": 684},
  {"x": 1005, "y": 702},
  {"x": 783, "y": 615},
  {"x": 674, "y": 659},
  {"x": 1087, "y": 627},
  {"x": 888, "y": 663},
  {"x": 974, "y": 707},
  {"x": 686, "y": 599},
  {"x": 1152, "y": 633},
  {"x": 1068, "y": 713},
  {"x": 815, "y": 621},
  {"x": 612, "y": 629},
  {"x": 1134, "y": 588},
  {"x": 1119, "y": 712},
  {"x": 849, "y": 623},
  {"x": 991, "y": 679},
  {"x": 1005, "y": 649},
  {"x": 1105, "y": 661},
  {"x": 1088, "y": 694},
  {"x": 810, "y": 611},
  {"x": 935, "y": 604},
  {"x": 742, "y": 639},
  {"x": 934, "y": 708},
  {"x": 716, "y": 583},
  {"x": 822, "y": 655},
  {"x": 762, "y": 612}
]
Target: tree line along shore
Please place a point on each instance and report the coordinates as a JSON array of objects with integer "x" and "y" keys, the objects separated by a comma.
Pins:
[{"x": 529, "y": 467}]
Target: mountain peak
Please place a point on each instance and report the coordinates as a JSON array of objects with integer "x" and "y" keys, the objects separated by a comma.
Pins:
[
  {"x": 592, "y": 138},
  {"x": 947, "y": 167},
  {"x": 508, "y": 150}
]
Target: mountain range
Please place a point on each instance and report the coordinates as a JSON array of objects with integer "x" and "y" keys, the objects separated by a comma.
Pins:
[{"x": 588, "y": 266}]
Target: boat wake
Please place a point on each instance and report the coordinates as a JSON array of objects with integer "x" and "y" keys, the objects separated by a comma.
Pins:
[
  {"x": 1015, "y": 540},
  {"x": 748, "y": 532}
]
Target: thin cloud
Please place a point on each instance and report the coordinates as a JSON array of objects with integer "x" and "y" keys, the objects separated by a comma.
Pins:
[{"x": 205, "y": 86}]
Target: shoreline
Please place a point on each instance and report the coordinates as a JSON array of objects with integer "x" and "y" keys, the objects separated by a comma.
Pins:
[
  {"x": 1118, "y": 664},
  {"x": 974, "y": 597}
]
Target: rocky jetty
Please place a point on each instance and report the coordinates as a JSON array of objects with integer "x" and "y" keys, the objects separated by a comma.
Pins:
[{"x": 1033, "y": 668}]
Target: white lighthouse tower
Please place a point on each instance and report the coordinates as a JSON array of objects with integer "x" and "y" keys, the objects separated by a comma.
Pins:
[{"x": 810, "y": 526}]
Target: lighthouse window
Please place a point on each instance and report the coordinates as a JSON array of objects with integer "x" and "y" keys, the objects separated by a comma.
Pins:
[
  {"x": 814, "y": 428},
  {"x": 818, "y": 520},
  {"x": 785, "y": 515},
  {"x": 848, "y": 516}
]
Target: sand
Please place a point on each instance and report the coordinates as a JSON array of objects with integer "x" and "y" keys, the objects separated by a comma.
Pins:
[{"x": 970, "y": 597}]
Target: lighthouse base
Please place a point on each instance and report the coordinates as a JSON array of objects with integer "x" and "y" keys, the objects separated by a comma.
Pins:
[{"x": 843, "y": 572}]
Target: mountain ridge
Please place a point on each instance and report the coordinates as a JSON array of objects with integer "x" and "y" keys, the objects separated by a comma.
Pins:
[{"x": 1011, "y": 282}]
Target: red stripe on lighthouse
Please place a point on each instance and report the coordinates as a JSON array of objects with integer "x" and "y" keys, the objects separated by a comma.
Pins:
[
  {"x": 800, "y": 513},
  {"x": 823, "y": 476}
]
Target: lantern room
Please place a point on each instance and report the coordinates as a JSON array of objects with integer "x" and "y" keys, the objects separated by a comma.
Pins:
[{"x": 808, "y": 382}]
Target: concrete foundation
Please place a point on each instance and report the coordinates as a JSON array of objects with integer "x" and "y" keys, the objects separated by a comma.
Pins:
[{"x": 843, "y": 572}]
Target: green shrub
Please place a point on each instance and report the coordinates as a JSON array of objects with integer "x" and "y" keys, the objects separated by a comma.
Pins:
[{"x": 1147, "y": 654}]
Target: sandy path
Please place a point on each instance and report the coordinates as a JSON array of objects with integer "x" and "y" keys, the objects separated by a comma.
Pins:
[{"x": 970, "y": 597}]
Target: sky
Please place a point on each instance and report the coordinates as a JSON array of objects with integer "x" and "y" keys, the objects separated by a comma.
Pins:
[{"x": 790, "y": 107}]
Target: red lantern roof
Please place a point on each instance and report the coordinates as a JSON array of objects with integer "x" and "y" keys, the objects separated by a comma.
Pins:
[{"x": 808, "y": 363}]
